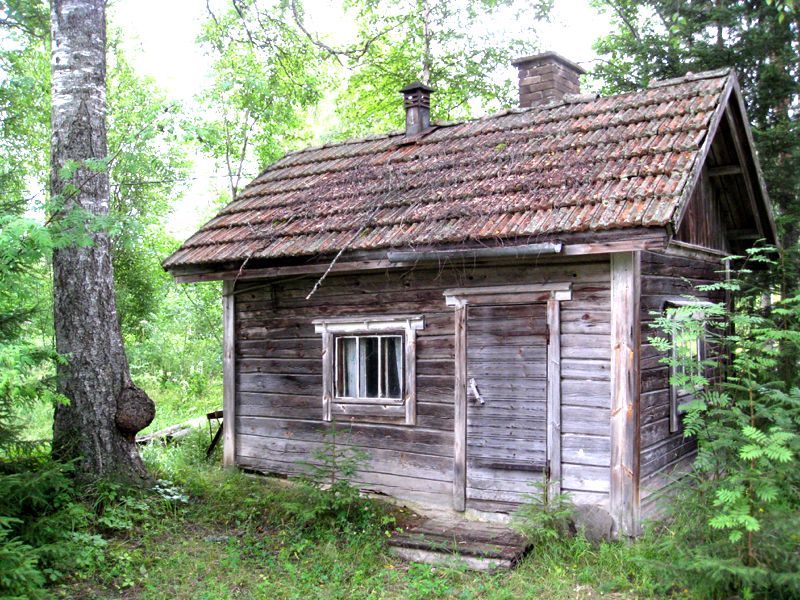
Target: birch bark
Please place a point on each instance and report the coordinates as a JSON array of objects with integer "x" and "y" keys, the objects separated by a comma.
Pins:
[{"x": 106, "y": 410}]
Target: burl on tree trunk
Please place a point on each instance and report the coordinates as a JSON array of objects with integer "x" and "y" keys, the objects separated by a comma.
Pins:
[{"x": 105, "y": 409}]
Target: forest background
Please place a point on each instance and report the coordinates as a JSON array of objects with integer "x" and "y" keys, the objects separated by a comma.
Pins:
[{"x": 275, "y": 81}]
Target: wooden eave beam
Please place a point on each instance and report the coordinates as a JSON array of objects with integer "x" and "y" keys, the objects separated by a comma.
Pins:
[
  {"x": 743, "y": 234},
  {"x": 655, "y": 238},
  {"x": 724, "y": 170}
]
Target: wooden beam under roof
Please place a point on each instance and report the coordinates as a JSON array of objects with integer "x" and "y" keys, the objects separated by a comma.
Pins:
[{"x": 725, "y": 170}]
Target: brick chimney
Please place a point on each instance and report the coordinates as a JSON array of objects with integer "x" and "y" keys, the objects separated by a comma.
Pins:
[
  {"x": 417, "y": 100},
  {"x": 545, "y": 78}
]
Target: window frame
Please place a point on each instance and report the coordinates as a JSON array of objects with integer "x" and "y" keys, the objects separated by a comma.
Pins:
[
  {"x": 365, "y": 408},
  {"x": 680, "y": 397}
]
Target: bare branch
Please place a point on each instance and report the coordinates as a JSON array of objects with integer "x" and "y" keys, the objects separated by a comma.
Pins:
[{"x": 617, "y": 6}]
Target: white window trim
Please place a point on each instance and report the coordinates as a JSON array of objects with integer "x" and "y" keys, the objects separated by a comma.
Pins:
[{"x": 407, "y": 325}]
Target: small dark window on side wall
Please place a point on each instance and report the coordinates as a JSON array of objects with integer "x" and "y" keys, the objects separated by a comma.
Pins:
[
  {"x": 689, "y": 349},
  {"x": 369, "y": 368}
]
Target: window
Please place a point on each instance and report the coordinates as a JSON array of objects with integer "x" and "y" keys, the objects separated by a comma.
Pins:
[
  {"x": 369, "y": 368},
  {"x": 687, "y": 369}
]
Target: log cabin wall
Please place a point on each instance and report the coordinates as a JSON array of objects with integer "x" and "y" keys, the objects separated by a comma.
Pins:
[
  {"x": 278, "y": 383},
  {"x": 663, "y": 454}
]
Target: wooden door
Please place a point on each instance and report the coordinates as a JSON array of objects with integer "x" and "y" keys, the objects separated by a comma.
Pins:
[{"x": 506, "y": 377}]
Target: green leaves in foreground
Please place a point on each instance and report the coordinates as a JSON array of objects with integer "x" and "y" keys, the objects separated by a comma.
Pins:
[{"x": 734, "y": 528}]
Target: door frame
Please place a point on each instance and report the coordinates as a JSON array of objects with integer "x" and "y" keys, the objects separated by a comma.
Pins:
[{"x": 460, "y": 299}]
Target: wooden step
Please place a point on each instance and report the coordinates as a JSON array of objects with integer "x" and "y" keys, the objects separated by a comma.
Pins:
[{"x": 474, "y": 544}]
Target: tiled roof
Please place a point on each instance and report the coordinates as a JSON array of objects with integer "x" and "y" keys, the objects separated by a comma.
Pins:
[{"x": 615, "y": 162}]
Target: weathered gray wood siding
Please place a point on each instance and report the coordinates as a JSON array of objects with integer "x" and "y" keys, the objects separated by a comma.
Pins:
[
  {"x": 664, "y": 453},
  {"x": 279, "y": 378},
  {"x": 704, "y": 221}
]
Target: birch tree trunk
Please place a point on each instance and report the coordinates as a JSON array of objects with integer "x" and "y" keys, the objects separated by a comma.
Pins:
[{"x": 106, "y": 410}]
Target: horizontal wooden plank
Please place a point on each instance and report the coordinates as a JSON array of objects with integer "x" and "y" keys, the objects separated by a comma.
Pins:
[
  {"x": 586, "y": 449},
  {"x": 654, "y": 406},
  {"x": 490, "y": 371},
  {"x": 439, "y": 347},
  {"x": 435, "y": 388},
  {"x": 425, "y": 492},
  {"x": 282, "y": 348},
  {"x": 503, "y": 412},
  {"x": 525, "y": 313},
  {"x": 658, "y": 456},
  {"x": 288, "y": 406},
  {"x": 388, "y": 460},
  {"x": 479, "y": 339},
  {"x": 655, "y": 431},
  {"x": 478, "y": 420},
  {"x": 589, "y": 352},
  {"x": 282, "y": 366},
  {"x": 368, "y": 436},
  {"x": 587, "y": 327},
  {"x": 575, "y": 340},
  {"x": 585, "y": 478},
  {"x": 579, "y": 419},
  {"x": 509, "y": 354},
  {"x": 599, "y": 370},
  {"x": 305, "y": 385},
  {"x": 653, "y": 483},
  {"x": 585, "y": 393},
  {"x": 445, "y": 275},
  {"x": 436, "y": 367}
]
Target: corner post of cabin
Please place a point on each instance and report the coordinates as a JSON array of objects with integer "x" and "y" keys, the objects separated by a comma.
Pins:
[
  {"x": 625, "y": 389},
  {"x": 229, "y": 374},
  {"x": 460, "y": 416},
  {"x": 554, "y": 396}
]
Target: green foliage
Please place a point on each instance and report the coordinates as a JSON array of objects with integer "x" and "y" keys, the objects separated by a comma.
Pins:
[
  {"x": 328, "y": 479},
  {"x": 265, "y": 77},
  {"x": 19, "y": 577},
  {"x": 461, "y": 49},
  {"x": 735, "y": 525},
  {"x": 148, "y": 166},
  {"x": 545, "y": 517}
]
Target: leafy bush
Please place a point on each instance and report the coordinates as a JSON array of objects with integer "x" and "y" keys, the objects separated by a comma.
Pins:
[
  {"x": 20, "y": 577},
  {"x": 735, "y": 518}
]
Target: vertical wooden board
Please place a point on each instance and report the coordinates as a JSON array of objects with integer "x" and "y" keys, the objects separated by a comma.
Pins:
[
  {"x": 229, "y": 374},
  {"x": 554, "y": 395},
  {"x": 625, "y": 389},
  {"x": 460, "y": 434},
  {"x": 327, "y": 375},
  {"x": 411, "y": 377}
]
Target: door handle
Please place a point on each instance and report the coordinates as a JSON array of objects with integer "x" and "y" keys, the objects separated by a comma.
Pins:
[{"x": 473, "y": 387}]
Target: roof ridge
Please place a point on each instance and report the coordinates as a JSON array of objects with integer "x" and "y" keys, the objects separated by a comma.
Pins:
[{"x": 689, "y": 76}]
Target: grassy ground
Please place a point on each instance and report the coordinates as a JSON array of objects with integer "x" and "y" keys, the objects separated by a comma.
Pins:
[
  {"x": 211, "y": 534},
  {"x": 207, "y": 533}
]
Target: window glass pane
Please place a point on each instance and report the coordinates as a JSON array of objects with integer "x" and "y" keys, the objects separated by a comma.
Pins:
[
  {"x": 393, "y": 366},
  {"x": 368, "y": 357},
  {"x": 348, "y": 368}
]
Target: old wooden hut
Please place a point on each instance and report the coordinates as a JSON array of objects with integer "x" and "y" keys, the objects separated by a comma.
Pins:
[{"x": 483, "y": 290}]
